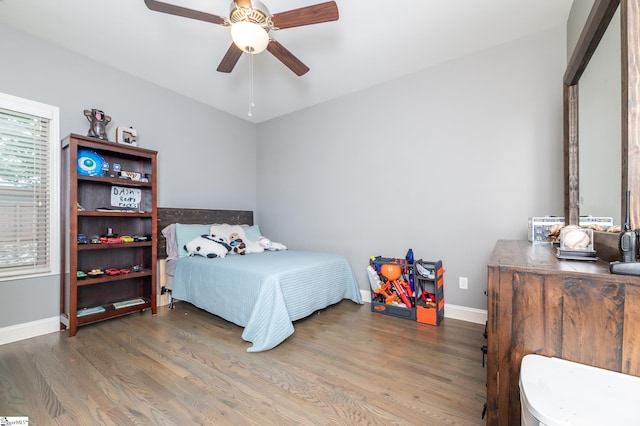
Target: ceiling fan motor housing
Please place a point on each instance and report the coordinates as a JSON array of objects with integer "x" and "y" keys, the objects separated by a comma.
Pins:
[{"x": 251, "y": 11}]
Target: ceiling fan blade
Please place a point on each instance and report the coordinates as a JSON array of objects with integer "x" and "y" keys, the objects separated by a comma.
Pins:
[
  {"x": 230, "y": 59},
  {"x": 323, "y": 12},
  {"x": 287, "y": 58},
  {"x": 171, "y": 9}
]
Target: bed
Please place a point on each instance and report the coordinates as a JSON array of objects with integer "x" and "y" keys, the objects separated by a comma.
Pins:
[{"x": 262, "y": 291}]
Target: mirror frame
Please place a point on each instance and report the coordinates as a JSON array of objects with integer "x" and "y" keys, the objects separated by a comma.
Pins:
[{"x": 593, "y": 31}]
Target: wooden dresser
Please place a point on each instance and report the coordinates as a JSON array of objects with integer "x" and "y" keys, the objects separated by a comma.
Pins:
[{"x": 574, "y": 310}]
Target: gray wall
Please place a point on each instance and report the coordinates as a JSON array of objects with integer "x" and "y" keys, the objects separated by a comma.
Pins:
[
  {"x": 445, "y": 161},
  {"x": 206, "y": 159},
  {"x": 577, "y": 18}
]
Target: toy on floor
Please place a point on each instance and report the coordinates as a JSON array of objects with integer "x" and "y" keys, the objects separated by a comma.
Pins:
[
  {"x": 393, "y": 272},
  {"x": 428, "y": 298},
  {"x": 395, "y": 286}
]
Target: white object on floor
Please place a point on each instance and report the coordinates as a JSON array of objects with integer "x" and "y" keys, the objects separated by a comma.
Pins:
[
  {"x": 556, "y": 392},
  {"x": 374, "y": 279}
]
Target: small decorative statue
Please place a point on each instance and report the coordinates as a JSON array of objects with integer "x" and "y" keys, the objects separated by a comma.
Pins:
[
  {"x": 99, "y": 121},
  {"x": 126, "y": 135}
]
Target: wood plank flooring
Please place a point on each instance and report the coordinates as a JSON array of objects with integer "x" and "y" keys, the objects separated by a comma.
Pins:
[{"x": 343, "y": 366}]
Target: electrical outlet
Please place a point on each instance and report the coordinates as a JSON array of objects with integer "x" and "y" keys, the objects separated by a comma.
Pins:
[{"x": 464, "y": 283}]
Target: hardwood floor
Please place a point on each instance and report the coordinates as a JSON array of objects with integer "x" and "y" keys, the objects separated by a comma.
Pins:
[{"x": 343, "y": 366}]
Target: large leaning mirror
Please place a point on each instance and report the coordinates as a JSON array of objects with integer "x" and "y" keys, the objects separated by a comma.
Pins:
[
  {"x": 599, "y": 129},
  {"x": 628, "y": 138}
]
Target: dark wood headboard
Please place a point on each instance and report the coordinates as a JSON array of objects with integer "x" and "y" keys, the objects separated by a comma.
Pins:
[{"x": 167, "y": 216}]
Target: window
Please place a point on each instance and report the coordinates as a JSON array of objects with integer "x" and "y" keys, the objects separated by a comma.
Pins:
[{"x": 29, "y": 188}]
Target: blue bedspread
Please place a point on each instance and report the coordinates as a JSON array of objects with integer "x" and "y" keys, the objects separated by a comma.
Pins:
[{"x": 265, "y": 292}]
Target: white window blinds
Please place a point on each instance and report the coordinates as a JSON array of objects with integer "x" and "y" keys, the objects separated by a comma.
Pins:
[{"x": 28, "y": 189}]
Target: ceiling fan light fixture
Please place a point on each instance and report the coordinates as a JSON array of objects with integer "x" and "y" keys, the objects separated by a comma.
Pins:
[{"x": 249, "y": 37}]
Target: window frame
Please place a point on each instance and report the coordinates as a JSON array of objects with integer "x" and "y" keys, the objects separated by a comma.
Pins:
[{"x": 51, "y": 113}]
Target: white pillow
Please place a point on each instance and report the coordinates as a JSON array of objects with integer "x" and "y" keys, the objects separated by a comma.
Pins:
[
  {"x": 171, "y": 245},
  {"x": 187, "y": 232}
]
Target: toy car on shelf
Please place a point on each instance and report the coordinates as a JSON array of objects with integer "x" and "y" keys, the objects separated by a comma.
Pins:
[
  {"x": 81, "y": 275},
  {"x": 127, "y": 239},
  {"x": 112, "y": 271},
  {"x": 111, "y": 240},
  {"x": 95, "y": 272},
  {"x": 82, "y": 239}
]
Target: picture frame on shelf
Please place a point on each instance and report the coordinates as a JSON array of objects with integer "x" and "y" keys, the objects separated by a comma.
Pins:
[{"x": 127, "y": 136}]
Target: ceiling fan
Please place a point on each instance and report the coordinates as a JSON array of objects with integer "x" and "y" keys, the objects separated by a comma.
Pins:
[{"x": 251, "y": 22}]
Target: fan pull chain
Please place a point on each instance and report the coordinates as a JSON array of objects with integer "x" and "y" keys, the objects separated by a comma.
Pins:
[{"x": 251, "y": 104}]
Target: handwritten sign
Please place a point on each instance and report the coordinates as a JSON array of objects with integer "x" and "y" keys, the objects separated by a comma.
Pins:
[{"x": 125, "y": 197}]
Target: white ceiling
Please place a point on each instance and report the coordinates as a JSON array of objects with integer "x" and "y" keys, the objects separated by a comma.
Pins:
[{"x": 373, "y": 41}]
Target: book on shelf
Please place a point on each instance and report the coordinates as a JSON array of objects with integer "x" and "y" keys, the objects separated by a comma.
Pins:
[
  {"x": 127, "y": 303},
  {"x": 90, "y": 311},
  {"x": 116, "y": 210}
]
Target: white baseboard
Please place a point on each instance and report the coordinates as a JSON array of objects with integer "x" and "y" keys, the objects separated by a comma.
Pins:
[
  {"x": 13, "y": 333},
  {"x": 478, "y": 316}
]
